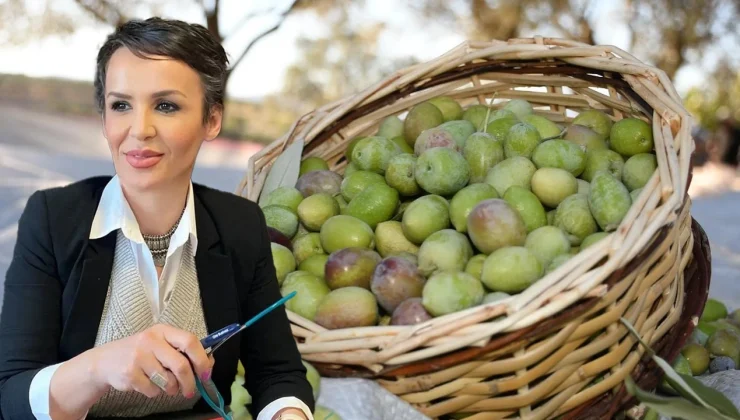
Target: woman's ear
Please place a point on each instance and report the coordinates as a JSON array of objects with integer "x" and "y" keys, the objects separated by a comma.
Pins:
[{"x": 213, "y": 124}]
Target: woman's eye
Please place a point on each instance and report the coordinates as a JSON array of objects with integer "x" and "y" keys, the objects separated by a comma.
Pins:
[
  {"x": 167, "y": 107},
  {"x": 119, "y": 106}
]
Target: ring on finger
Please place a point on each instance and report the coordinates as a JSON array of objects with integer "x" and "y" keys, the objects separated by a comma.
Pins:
[{"x": 159, "y": 380}]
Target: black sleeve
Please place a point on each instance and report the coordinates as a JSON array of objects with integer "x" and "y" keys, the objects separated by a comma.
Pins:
[
  {"x": 30, "y": 322},
  {"x": 270, "y": 356}
]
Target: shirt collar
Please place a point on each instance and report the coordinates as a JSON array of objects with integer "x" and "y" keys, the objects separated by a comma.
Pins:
[{"x": 114, "y": 212}]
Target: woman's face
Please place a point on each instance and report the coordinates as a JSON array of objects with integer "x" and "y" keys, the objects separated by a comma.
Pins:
[{"x": 153, "y": 119}]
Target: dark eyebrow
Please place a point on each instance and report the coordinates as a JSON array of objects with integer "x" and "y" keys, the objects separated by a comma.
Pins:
[
  {"x": 159, "y": 94},
  {"x": 162, "y": 93},
  {"x": 119, "y": 95}
]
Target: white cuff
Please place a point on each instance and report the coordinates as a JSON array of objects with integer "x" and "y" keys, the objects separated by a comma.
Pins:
[
  {"x": 38, "y": 393},
  {"x": 268, "y": 412}
]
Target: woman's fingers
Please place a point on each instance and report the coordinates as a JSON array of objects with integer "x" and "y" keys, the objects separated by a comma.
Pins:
[
  {"x": 158, "y": 375},
  {"x": 190, "y": 345},
  {"x": 141, "y": 383},
  {"x": 173, "y": 385},
  {"x": 179, "y": 365}
]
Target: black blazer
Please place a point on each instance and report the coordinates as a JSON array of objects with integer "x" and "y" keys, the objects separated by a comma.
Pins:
[{"x": 56, "y": 285}]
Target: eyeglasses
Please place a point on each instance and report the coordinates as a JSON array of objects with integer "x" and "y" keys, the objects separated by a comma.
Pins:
[{"x": 216, "y": 340}]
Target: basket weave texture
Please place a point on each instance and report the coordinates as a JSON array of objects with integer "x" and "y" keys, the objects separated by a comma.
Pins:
[{"x": 560, "y": 343}]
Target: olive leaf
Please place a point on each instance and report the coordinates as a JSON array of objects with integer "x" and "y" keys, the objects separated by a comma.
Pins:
[
  {"x": 717, "y": 399},
  {"x": 672, "y": 377},
  {"x": 674, "y": 407},
  {"x": 693, "y": 392},
  {"x": 634, "y": 332},
  {"x": 284, "y": 171}
]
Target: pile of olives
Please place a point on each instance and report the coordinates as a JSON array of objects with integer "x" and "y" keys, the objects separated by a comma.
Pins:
[{"x": 714, "y": 345}]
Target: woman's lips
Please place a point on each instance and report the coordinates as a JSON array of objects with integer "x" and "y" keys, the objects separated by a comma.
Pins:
[{"x": 142, "y": 159}]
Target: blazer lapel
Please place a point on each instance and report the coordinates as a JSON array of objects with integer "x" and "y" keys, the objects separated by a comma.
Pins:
[
  {"x": 215, "y": 273},
  {"x": 218, "y": 293},
  {"x": 81, "y": 328}
]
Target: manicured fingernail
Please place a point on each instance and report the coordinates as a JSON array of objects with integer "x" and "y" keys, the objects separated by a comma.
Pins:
[
  {"x": 190, "y": 395},
  {"x": 206, "y": 375}
]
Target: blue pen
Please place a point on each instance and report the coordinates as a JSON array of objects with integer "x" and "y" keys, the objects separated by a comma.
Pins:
[
  {"x": 215, "y": 340},
  {"x": 216, "y": 337}
]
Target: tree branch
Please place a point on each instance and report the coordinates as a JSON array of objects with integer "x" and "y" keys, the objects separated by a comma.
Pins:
[
  {"x": 586, "y": 32},
  {"x": 212, "y": 22},
  {"x": 251, "y": 44},
  {"x": 103, "y": 11},
  {"x": 631, "y": 18},
  {"x": 581, "y": 28},
  {"x": 247, "y": 18}
]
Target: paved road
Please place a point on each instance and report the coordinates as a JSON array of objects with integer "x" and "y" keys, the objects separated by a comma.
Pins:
[
  {"x": 50, "y": 132},
  {"x": 718, "y": 215}
]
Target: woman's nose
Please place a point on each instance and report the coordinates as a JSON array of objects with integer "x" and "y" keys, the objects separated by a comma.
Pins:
[{"x": 142, "y": 127}]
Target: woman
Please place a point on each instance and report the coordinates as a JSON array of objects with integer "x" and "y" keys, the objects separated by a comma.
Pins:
[{"x": 114, "y": 280}]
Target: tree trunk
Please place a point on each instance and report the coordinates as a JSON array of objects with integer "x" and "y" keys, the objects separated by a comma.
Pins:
[
  {"x": 212, "y": 21},
  {"x": 671, "y": 56},
  {"x": 500, "y": 22}
]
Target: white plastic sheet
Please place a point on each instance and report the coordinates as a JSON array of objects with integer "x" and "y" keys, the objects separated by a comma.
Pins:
[{"x": 363, "y": 399}]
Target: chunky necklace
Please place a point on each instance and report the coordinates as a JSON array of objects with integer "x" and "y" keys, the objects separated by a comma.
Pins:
[{"x": 159, "y": 244}]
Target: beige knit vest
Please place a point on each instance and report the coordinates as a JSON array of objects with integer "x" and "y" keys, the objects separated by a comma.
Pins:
[{"x": 127, "y": 311}]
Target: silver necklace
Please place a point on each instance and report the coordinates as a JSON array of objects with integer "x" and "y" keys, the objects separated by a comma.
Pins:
[{"x": 159, "y": 244}]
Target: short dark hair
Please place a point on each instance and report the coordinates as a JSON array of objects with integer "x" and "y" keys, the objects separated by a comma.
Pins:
[{"x": 190, "y": 43}]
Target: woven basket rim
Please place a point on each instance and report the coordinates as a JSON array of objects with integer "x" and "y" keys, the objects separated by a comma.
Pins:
[
  {"x": 646, "y": 90},
  {"x": 370, "y": 93}
]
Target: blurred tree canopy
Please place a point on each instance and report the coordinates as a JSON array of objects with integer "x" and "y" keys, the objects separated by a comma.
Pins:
[
  {"x": 21, "y": 22},
  {"x": 343, "y": 61},
  {"x": 329, "y": 67},
  {"x": 719, "y": 100},
  {"x": 344, "y": 57},
  {"x": 665, "y": 32}
]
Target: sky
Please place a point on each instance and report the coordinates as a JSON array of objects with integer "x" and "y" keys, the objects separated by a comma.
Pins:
[{"x": 262, "y": 71}]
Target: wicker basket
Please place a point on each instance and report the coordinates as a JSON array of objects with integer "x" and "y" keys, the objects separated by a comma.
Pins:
[{"x": 558, "y": 347}]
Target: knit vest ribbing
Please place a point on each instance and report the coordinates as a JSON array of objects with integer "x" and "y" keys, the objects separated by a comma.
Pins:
[{"x": 127, "y": 311}]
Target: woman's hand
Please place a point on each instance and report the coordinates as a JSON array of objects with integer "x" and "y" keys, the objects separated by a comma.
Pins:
[
  {"x": 290, "y": 412},
  {"x": 128, "y": 364}
]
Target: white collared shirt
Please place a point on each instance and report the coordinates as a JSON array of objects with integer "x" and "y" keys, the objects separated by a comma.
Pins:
[{"x": 114, "y": 213}]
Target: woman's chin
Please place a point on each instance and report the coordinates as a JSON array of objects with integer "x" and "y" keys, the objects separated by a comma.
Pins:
[{"x": 141, "y": 181}]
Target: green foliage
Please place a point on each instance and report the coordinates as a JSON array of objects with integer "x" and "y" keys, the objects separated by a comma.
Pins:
[
  {"x": 340, "y": 63},
  {"x": 696, "y": 401},
  {"x": 718, "y": 99}
]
